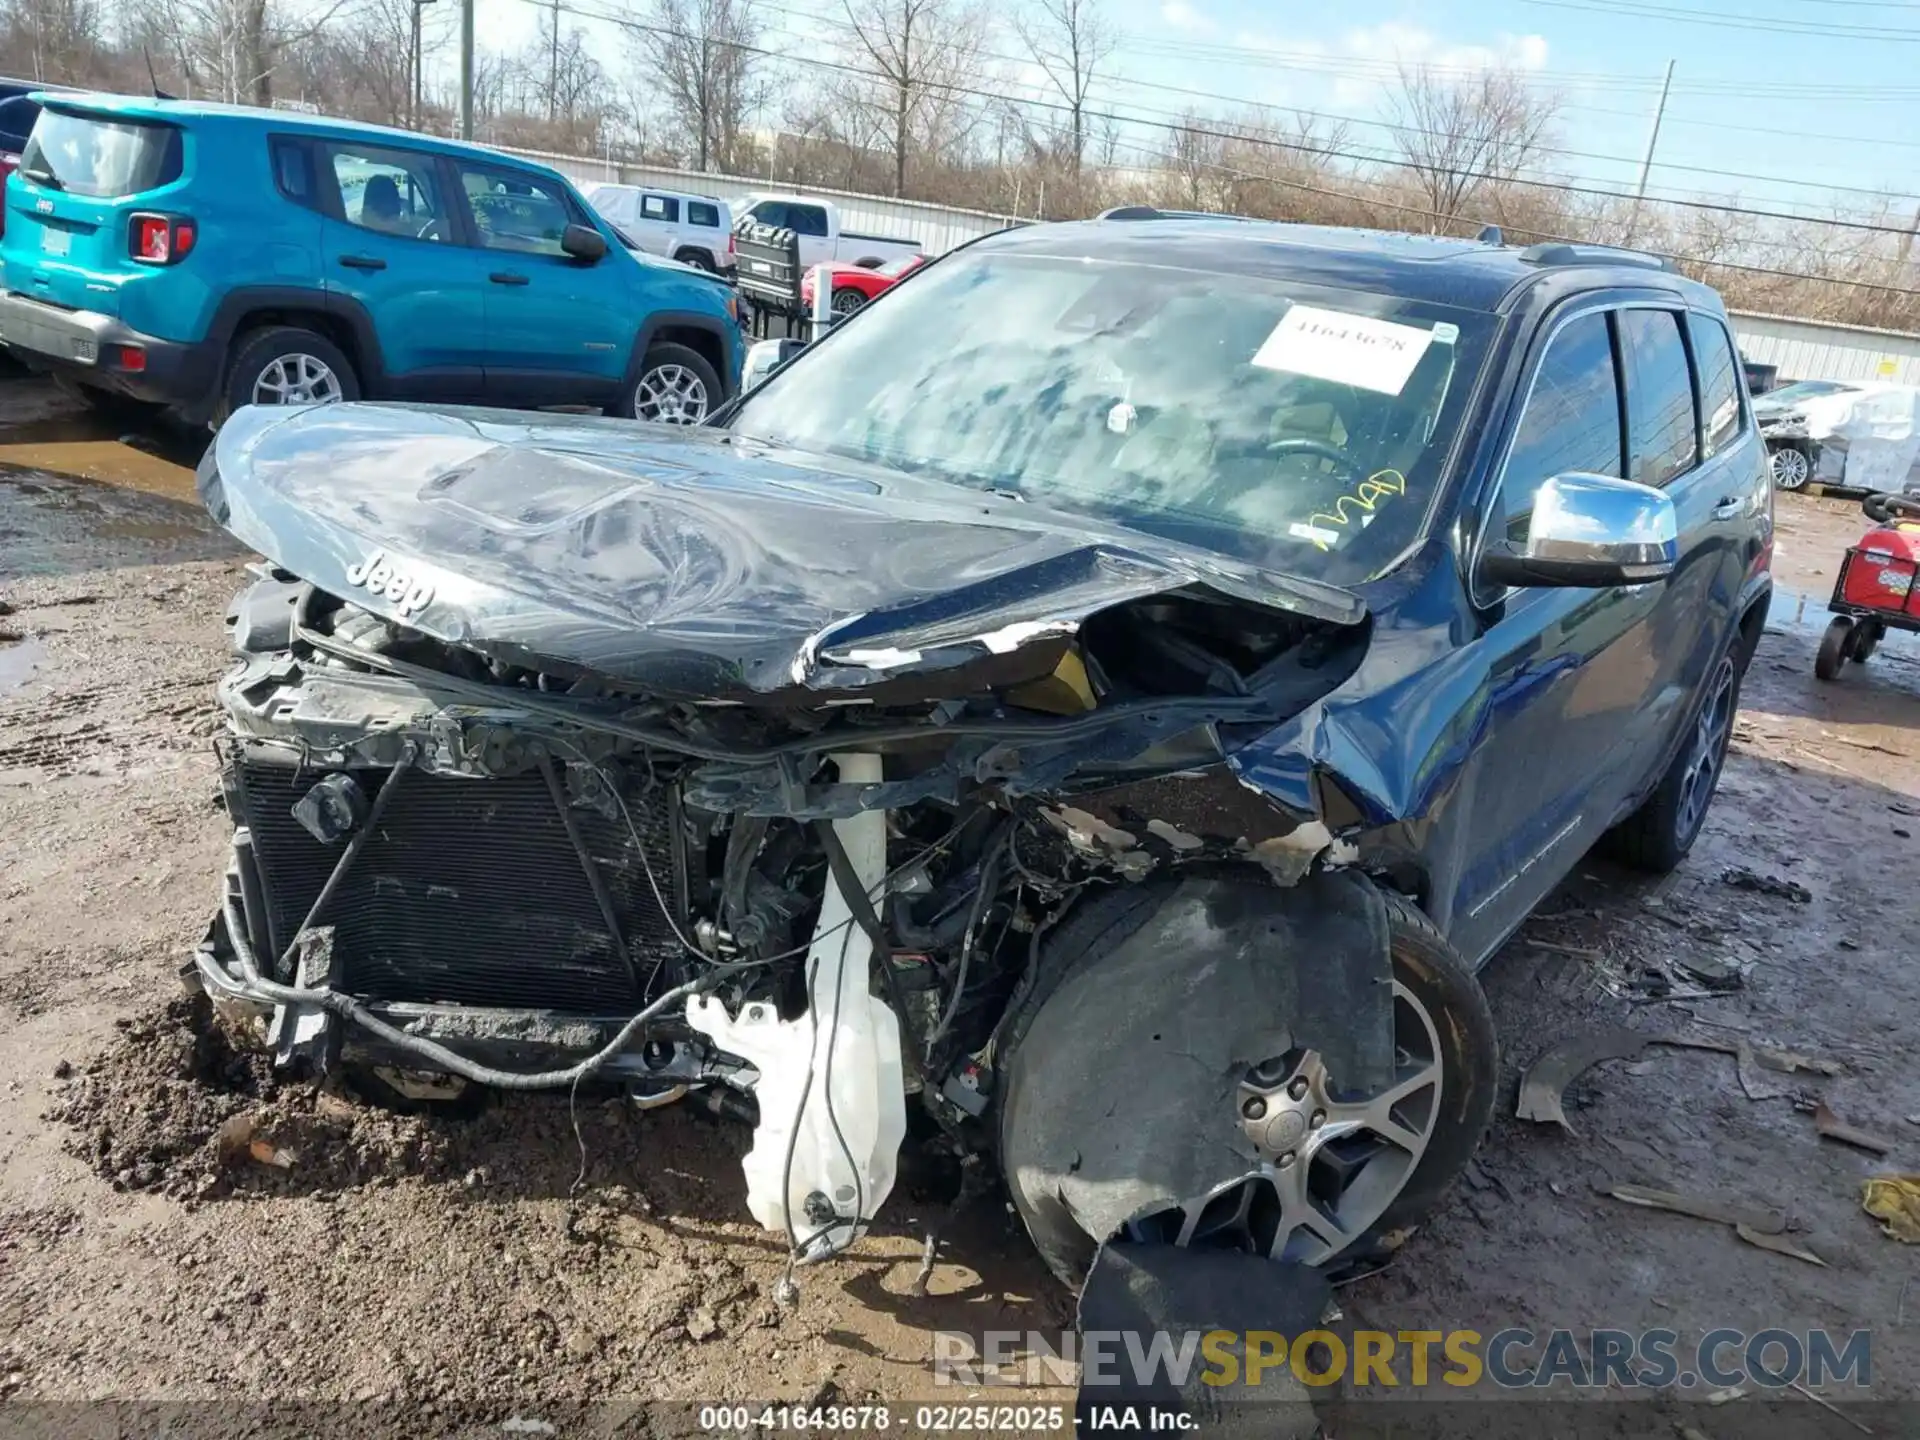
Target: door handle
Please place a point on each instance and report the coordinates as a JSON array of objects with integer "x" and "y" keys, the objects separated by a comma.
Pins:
[
  {"x": 507, "y": 277},
  {"x": 363, "y": 262},
  {"x": 1727, "y": 509}
]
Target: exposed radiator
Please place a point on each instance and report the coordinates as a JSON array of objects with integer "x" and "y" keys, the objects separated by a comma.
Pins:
[{"x": 471, "y": 891}]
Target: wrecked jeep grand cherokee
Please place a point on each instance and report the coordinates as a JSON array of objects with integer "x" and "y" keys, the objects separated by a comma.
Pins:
[{"x": 1104, "y": 700}]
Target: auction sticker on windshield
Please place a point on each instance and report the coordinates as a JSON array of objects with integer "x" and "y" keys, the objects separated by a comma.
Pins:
[{"x": 1349, "y": 349}]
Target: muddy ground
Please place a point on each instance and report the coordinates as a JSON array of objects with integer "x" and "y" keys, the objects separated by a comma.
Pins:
[{"x": 527, "y": 1257}]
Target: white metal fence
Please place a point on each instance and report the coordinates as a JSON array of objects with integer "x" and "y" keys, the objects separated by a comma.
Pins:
[
  {"x": 935, "y": 228},
  {"x": 1817, "y": 350}
]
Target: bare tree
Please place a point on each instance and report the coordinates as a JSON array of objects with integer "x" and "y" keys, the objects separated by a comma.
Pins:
[
  {"x": 1071, "y": 42},
  {"x": 1457, "y": 136},
  {"x": 231, "y": 49},
  {"x": 914, "y": 59},
  {"x": 703, "y": 56},
  {"x": 61, "y": 40}
]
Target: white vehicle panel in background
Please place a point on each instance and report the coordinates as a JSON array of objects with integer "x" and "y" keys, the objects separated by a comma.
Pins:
[
  {"x": 1874, "y": 432},
  {"x": 671, "y": 223}
]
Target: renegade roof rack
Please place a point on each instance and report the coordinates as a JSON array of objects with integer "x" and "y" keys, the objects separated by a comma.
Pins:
[{"x": 1561, "y": 253}]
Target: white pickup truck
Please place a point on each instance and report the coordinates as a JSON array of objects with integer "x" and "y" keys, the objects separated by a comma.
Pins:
[{"x": 817, "y": 223}]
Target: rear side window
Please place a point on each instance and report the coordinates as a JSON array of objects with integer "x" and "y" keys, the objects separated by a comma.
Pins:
[
  {"x": 659, "y": 207},
  {"x": 293, "y": 171},
  {"x": 1572, "y": 419},
  {"x": 699, "y": 214},
  {"x": 1663, "y": 438},
  {"x": 103, "y": 159},
  {"x": 1714, "y": 355},
  {"x": 806, "y": 219}
]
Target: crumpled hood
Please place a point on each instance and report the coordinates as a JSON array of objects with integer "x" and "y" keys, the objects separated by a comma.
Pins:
[{"x": 682, "y": 559}]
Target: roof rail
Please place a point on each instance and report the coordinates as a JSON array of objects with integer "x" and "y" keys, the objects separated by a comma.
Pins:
[
  {"x": 1154, "y": 212},
  {"x": 1561, "y": 253}
]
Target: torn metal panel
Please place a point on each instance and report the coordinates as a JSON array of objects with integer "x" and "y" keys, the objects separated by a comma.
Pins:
[{"x": 695, "y": 563}]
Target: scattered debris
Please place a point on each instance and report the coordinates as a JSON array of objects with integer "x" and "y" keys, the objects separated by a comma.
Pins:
[
  {"x": 1701, "y": 1207},
  {"x": 1717, "y": 975},
  {"x": 235, "y": 1141},
  {"x": 1741, "y": 878},
  {"x": 1894, "y": 1200},
  {"x": 1579, "y": 952},
  {"x": 1544, "y": 1085},
  {"x": 1779, "y": 1244},
  {"x": 701, "y": 1324},
  {"x": 1826, "y": 1404},
  {"x": 1834, "y": 1128},
  {"x": 1689, "y": 1432},
  {"x": 1721, "y": 1397}
]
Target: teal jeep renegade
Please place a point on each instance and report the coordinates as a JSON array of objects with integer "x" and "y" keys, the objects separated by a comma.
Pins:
[{"x": 205, "y": 257}]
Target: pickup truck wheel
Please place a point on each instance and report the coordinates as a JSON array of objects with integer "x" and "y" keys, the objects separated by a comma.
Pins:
[
  {"x": 676, "y": 387},
  {"x": 1658, "y": 835},
  {"x": 288, "y": 365},
  {"x": 846, "y": 301},
  {"x": 1277, "y": 1159}
]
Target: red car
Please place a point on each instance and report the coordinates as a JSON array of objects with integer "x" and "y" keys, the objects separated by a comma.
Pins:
[{"x": 854, "y": 286}]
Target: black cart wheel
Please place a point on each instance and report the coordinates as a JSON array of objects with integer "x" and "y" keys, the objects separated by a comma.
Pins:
[
  {"x": 1834, "y": 648},
  {"x": 1867, "y": 636}
]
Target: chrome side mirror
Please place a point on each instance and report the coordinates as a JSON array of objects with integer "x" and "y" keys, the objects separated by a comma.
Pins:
[{"x": 1591, "y": 532}]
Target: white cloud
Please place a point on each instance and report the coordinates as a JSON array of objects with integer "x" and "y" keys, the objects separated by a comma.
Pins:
[
  {"x": 1182, "y": 15},
  {"x": 1361, "y": 60}
]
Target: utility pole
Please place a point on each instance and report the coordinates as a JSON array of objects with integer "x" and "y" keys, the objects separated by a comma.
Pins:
[
  {"x": 466, "y": 69},
  {"x": 419, "y": 65},
  {"x": 553, "y": 67},
  {"x": 1646, "y": 163}
]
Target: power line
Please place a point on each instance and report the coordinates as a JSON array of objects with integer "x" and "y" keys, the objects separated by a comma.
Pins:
[
  {"x": 1745, "y": 22},
  {"x": 973, "y": 92}
]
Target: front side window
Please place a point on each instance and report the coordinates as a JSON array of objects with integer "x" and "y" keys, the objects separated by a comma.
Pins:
[
  {"x": 769, "y": 212},
  {"x": 1571, "y": 421},
  {"x": 1296, "y": 426},
  {"x": 517, "y": 212},
  {"x": 1719, "y": 385},
  {"x": 393, "y": 192},
  {"x": 1663, "y": 438}
]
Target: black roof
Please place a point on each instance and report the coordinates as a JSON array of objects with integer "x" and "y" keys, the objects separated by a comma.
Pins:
[{"x": 1443, "y": 269}]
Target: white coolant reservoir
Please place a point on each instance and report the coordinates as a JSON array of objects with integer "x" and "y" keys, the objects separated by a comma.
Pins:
[{"x": 831, "y": 1088}]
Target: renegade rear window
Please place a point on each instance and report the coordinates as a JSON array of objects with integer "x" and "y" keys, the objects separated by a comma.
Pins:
[{"x": 93, "y": 156}]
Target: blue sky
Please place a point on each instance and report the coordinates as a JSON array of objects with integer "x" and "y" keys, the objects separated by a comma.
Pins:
[{"x": 1745, "y": 98}]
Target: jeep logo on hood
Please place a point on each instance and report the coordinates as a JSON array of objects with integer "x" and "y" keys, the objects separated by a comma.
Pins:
[{"x": 380, "y": 576}]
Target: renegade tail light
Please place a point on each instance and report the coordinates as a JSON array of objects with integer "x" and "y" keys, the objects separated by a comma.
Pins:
[{"x": 159, "y": 239}]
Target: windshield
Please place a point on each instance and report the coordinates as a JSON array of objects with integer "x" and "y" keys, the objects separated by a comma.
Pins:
[
  {"x": 1293, "y": 426},
  {"x": 1803, "y": 390},
  {"x": 103, "y": 159}
]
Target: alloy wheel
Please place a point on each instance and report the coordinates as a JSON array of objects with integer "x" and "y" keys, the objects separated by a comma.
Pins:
[
  {"x": 845, "y": 302},
  {"x": 296, "y": 379},
  {"x": 1707, "y": 752},
  {"x": 1330, "y": 1162},
  {"x": 671, "y": 395},
  {"x": 1790, "y": 468}
]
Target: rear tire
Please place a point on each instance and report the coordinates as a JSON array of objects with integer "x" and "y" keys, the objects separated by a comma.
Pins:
[
  {"x": 1866, "y": 639},
  {"x": 1835, "y": 647},
  {"x": 697, "y": 258},
  {"x": 1431, "y": 980},
  {"x": 289, "y": 361},
  {"x": 1658, "y": 835},
  {"x": 846, "y": 300},
  {"x": 1790, "y": 467}
]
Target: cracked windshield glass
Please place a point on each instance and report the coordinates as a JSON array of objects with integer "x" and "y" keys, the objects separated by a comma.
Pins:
[{"x": 1297, "y": 427}]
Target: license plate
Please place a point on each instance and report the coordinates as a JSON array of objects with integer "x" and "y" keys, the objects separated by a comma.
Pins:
[
  {"x": 86, "y": 351},
  {"x": 54, "y": 240},
  {"x": 760, "y": 267}
]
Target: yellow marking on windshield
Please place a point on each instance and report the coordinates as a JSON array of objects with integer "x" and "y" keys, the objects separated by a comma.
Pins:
[{"x": 1366, "y": 495}]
